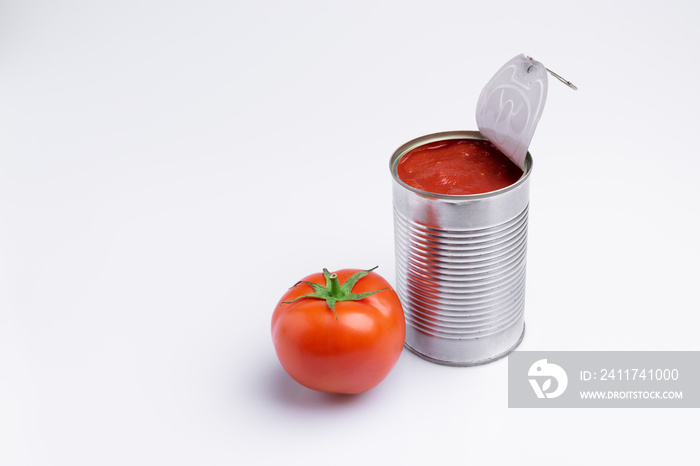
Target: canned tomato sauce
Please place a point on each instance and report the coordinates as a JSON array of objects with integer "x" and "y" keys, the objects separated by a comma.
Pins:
[
  {"x": 460, "y": 228},
  {"x": 458, "y": 167}
]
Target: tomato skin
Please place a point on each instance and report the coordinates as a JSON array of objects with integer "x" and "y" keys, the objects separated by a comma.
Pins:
[{"x": 349, "y": 355}]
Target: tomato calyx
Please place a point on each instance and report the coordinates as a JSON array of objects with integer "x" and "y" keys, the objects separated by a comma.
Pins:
[{"x": 333, "y": 291}]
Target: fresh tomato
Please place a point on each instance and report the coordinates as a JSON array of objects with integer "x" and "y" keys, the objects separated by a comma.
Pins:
[{"x": 339, "y": 332}]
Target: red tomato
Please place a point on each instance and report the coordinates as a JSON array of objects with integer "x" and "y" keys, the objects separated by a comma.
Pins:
[{"x": 339, "y": 346}]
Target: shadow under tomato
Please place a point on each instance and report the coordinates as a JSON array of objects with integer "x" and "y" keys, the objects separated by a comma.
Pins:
[{"x": 285, "y": 390}]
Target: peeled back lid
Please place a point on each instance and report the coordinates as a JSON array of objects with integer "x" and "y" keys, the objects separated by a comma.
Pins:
[{"x": 510, "y": 105}]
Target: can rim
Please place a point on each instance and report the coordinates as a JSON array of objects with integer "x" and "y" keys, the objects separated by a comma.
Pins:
[{"x": 444, "y": 136}]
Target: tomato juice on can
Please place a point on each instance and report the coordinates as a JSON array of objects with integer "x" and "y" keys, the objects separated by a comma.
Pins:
[{"x": 460, "y": 262}]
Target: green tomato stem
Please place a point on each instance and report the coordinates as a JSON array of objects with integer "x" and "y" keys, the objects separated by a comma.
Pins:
[{"x": 333, "y": 291}]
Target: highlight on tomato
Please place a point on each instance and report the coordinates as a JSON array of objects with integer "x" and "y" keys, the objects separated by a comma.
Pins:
[{"x": 339, "y": 332}]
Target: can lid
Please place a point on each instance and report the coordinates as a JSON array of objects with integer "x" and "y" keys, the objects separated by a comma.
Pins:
[{"x": 510, "y": 105}]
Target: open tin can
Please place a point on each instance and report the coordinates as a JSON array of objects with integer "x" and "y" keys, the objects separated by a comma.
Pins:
[{"x": 460, "y": 265}]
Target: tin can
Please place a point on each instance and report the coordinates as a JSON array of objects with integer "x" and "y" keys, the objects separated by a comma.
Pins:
[{"x": 460, "y": 265}]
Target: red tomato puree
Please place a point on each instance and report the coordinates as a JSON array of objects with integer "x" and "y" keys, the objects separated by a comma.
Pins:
[{"x": 458, "y": 166}]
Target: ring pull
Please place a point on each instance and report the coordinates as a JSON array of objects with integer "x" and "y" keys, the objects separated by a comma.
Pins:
[{"x": 559, "y": 77}]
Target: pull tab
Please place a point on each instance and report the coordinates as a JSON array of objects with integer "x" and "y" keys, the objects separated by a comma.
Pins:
[
  {"x": 510, "y": 106},
  {"x": 559, "y": 77}
]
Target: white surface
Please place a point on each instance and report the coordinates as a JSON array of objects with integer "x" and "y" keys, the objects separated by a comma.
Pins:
[{"x": 168, "y": 169}]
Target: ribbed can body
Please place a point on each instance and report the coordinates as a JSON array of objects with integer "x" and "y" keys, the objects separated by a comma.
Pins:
[{"x": 460, "y": 266}]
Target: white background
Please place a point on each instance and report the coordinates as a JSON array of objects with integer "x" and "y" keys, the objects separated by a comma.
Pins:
[{"x": 169, "y": 169}]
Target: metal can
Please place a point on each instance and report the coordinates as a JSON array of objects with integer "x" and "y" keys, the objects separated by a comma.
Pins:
[{"x": 460, "y": 265}]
